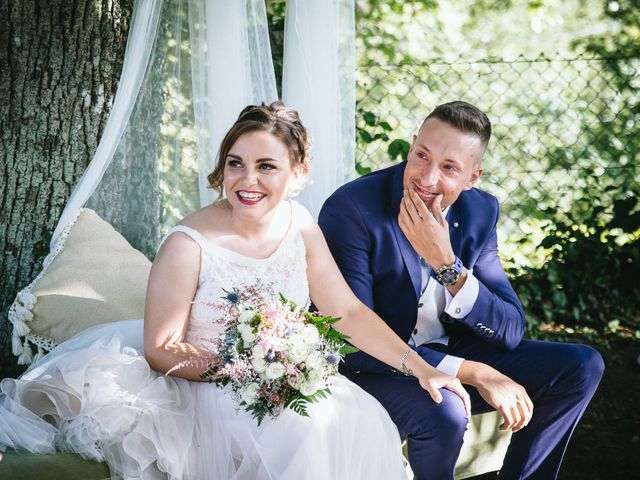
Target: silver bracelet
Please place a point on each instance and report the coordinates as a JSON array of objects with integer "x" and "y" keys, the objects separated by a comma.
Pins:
[{"x": 407, "y": 371}]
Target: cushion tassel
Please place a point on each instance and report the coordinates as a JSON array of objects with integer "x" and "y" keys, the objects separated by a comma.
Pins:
[
  {"x": 16, "y": 345},
  {"x": 27, "y": 354},
  {"x": 20, "y": 328}
]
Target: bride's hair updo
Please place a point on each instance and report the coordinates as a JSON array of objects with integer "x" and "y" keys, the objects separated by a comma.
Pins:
[{"x": 282, "y": 122}]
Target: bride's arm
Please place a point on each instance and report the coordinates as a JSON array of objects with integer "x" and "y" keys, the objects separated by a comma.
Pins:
[
  {"x": 172, "y": 285},
  {"x": 332, "y": 295}
]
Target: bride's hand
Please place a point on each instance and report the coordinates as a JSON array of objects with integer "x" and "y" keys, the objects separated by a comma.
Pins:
[{"x": 435, "y": 380}]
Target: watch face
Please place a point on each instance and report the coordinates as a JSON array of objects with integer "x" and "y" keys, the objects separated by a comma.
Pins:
[{"x": 448, "y": 276}]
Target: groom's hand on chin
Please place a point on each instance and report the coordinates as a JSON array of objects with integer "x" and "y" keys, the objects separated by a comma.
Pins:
[
  {"x": 426, "y": 229},
  {"x": 506, "y": 396}
]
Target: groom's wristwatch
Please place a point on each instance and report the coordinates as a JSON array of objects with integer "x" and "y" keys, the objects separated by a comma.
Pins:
[{"x": 449, "y": 274}]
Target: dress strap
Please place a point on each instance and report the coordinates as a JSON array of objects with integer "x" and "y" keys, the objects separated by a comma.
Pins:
[{"x": 195, "y": 235}]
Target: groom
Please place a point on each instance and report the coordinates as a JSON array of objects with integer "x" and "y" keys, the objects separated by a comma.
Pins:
[{"x": 417, "y": 244}]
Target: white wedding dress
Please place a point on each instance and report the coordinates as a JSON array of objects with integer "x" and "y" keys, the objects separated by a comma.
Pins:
[{"x": 96, "y": 395}]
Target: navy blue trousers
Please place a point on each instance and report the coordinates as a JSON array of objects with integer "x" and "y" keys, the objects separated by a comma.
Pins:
[{"x": 560, "y": 378}]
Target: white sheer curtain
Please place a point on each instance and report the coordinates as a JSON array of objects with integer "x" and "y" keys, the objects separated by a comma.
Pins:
[
  {"x": 319, "y": 81},
  {"x": 231, "y": 68},
  {"x": 144, "y": 27}
]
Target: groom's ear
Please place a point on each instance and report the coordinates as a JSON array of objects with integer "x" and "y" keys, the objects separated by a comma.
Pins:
[{"x": 473, "y": 179}]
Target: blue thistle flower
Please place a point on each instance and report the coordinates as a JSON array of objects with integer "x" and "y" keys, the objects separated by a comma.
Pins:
[
  {"x": 233, "y": 297},
  {"x": 333, "y": 358}
]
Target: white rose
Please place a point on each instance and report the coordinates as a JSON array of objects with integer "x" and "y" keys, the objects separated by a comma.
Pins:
[
  {"x": 259, "y": 364},
  {"x": 247, "y": 333},
  {"x": 295, "y": 382},
  {"x": 250, "y": 393},
  {"x": 246, "y": 316},
  {"x": 274, "y": 370},
  {"x": 297, "y": 353},
  {"x": 315, "y": 376},
  {"x": 257, "y": 351},
  {"x": 315, "y": 360},
  {"x": 298, "y": 349},
  {"x": 296, "y": 341},
  {"x": 308, "y": 388},
  {"x": 310, "y": 335}
]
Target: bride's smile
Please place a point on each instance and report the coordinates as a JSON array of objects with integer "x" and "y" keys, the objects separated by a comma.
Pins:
[{"x": 247, "y": 197}]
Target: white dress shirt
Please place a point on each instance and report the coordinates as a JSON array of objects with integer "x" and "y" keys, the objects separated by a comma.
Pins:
[{"x": 436, "y": 299}]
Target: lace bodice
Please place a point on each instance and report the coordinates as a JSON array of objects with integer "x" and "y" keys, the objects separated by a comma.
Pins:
[{"x": 222, "y": 269}]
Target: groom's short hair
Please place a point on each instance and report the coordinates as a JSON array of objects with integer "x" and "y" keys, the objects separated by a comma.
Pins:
[{"x": 465, "y": 117}]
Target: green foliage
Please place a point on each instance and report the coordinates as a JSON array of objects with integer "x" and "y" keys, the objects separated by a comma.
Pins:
[
  {"x": 259, "y": 410},
  {"x": 324, "y": 324},
  {"x": 298, "y": 403},
  {"x": 370, "y": 129},
  {"x": 398, "y": 148},
  {"x": 625, "y": 42},
  {"x": 591, "y": 275}
]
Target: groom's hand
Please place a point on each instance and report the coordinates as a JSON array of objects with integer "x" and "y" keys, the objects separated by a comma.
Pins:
[
  {"x": 426, "y": 229},
  {"x": 499, "y": 391}
]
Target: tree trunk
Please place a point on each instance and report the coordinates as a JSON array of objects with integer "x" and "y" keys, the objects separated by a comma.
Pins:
[{"x": 60, "y": 62}]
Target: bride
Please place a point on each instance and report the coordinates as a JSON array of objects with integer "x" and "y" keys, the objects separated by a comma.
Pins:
[{"x": 99, "y": 395}]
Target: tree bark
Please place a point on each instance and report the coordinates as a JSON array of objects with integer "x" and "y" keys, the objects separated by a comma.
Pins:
[{"x": 60, "y": 62}]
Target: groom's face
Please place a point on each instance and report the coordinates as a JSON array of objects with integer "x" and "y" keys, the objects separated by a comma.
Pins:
[{"x": 442, "y": 161}]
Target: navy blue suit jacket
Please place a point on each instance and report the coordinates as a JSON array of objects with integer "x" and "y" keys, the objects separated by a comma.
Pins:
[{"x": 360, "y": 223}]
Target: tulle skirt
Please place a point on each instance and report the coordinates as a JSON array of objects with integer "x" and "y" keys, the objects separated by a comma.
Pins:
[{"x": 95, "y": 395}]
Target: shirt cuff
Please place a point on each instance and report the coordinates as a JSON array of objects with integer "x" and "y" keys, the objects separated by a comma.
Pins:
[
  {"x": 450, "y": 365},
  {"x": 461, "y": 305}
]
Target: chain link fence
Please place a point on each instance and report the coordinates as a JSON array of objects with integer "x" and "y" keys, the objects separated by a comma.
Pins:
[{"x": 564, "y": 131}]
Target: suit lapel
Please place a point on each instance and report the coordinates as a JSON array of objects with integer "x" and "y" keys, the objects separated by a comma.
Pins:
[
  {"x": 456, "y": 227},
  {"x": 409, "y": 255}
]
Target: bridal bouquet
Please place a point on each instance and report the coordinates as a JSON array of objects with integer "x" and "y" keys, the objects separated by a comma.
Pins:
[{"x": 274, "y": 354}]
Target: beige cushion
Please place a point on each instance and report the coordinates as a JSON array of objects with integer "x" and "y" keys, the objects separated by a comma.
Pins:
[
  {"x": 98, "y": 277},
  {"x": 484, "y": 446},
  {"x": 483, "y": 449}
]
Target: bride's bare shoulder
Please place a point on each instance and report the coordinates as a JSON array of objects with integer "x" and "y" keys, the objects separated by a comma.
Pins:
[
  {"x": 209, "y": 219},
  {"x": 206, "y": 221},
  {"x": 306, "y": 223}
]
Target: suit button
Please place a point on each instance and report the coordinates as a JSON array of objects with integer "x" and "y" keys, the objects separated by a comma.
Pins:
[
  {"x": 415, "y": 331},
  {"x": 458, "y": 310},
  {"x": 420, "y": 305}
]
